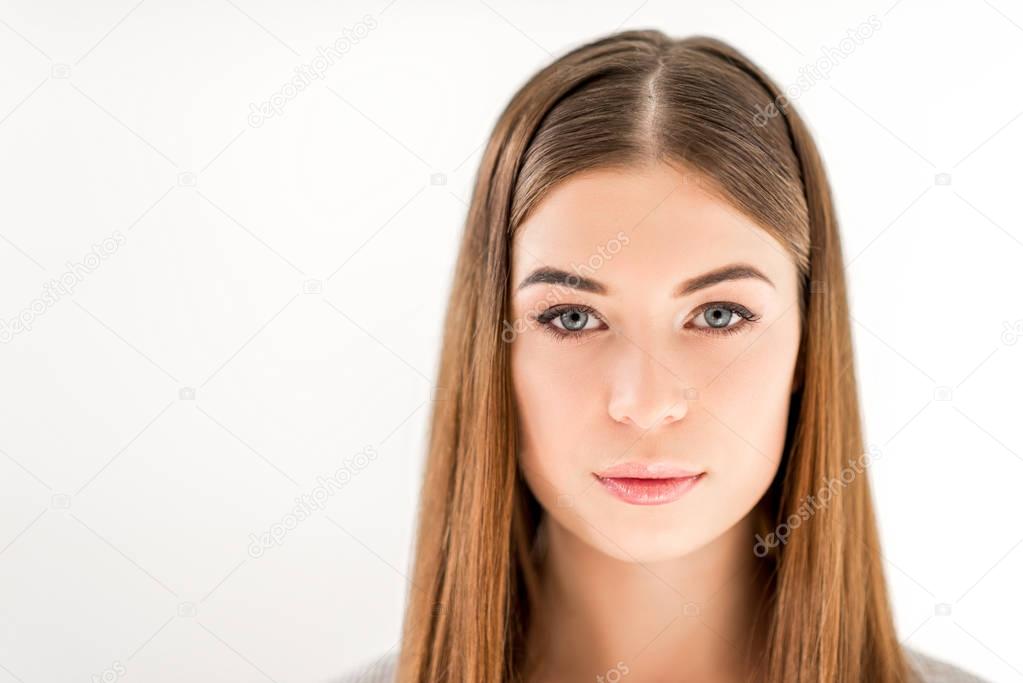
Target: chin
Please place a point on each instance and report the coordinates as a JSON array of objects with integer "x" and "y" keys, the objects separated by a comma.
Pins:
[{"x": 648, "y": 541}]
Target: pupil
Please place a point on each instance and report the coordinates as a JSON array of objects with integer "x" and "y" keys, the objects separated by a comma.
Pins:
[
  {"x": 574, "y": 320},
  {"x": 717, "y": 318}
]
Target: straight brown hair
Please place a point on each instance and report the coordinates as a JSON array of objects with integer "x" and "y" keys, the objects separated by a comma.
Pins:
[{"x": 628, "y": 99}]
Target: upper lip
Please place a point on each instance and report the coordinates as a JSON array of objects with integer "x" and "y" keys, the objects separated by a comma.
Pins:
[{"x": 652, "y": 470}]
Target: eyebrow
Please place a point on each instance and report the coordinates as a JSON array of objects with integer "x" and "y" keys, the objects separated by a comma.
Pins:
[{"x": 732, "y": 271}]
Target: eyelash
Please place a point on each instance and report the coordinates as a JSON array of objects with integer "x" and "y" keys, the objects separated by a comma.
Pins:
[{"x": 747, "y": 318}]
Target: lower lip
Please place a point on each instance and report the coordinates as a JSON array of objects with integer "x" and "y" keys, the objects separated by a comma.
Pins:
[{"x": 649, "y": 491}]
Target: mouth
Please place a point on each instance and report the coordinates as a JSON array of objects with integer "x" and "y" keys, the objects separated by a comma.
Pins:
[{"x": 639, "y": 484}]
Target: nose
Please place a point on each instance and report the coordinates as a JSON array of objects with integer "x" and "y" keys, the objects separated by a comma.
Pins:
[{"x": 645, "y": 393}]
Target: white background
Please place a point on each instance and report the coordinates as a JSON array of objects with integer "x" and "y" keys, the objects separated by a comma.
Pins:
[{"x": 127, "y": 511}]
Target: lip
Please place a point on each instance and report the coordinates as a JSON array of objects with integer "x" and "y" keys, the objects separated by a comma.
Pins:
[
  {"x": 653, "y": 470},
  {"x": 649, "y": 491},
  {"x": 648, "y": 484}
]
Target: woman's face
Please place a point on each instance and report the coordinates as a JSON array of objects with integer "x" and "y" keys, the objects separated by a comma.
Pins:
[{"x": 643, "y": 360}]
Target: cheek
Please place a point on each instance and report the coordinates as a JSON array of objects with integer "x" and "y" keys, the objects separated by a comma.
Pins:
[
  {"x": 559, "y": 395},
  {"x": 748, "y": 401}
]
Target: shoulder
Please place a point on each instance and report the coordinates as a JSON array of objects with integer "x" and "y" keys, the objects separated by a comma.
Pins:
[
  {"x": 383, "y": 669},
  {"x": 931, "y": 670}
]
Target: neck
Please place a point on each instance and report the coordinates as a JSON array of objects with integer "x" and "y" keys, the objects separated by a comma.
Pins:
[{"x": 686, "y": 619}]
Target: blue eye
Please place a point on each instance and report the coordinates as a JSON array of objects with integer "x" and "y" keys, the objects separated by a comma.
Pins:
[
  {"x": 716, "y": 318},
  {"x": 719, "y": 316},
  {"x": 567, "y": 321}
]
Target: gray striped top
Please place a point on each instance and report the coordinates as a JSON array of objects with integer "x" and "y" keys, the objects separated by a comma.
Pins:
[{"x": 930, "y": 670}]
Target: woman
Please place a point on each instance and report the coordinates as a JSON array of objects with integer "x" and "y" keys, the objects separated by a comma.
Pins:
[{"x": 647, "y": 459}]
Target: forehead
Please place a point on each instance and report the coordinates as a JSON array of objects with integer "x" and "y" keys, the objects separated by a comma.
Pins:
[{"x": 655, "y": 221}]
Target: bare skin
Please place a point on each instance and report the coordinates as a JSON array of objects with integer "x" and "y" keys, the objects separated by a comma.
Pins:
[
  {"x": 663, "y": 621},
  {"x": 663, "y": 591}
]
